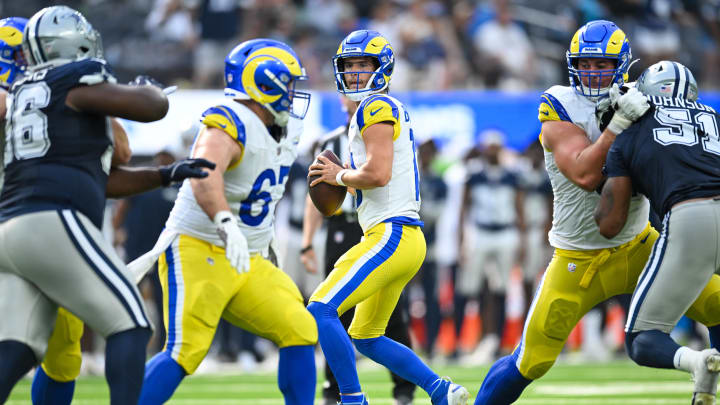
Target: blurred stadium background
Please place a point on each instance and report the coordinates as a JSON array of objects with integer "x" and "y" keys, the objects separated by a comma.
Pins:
[{"x": 463, "y": 68}]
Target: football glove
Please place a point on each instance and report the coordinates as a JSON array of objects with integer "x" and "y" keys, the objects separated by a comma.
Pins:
[
  {"x": 145, "y": 80},
  {"x": 183, "y": 169},
  {"x": 236, "y": 248},
  {"x": 628, "y": 108}
]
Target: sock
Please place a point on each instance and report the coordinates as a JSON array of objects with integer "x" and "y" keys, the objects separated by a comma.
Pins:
[
  {"x": 296, "y": 374},
  {"x": 125, "y": 364},
  {"x": 685, "y": 359},
  {"x": 399, "y": 359},
  {"x": 651, "y": 348},
  {"x": 354, "y": 399},
  {"x": 336, "y": 347},
  {"x": 162, "y": 376},
  {"x": 17, "y": 359},
  {"x": 503, "y": 384},
  {"x": 714, "y": 337},
  {"x": 46, "y": 391}
]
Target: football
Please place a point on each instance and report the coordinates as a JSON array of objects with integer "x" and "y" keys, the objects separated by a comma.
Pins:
[{"x": 326, "y": 197}]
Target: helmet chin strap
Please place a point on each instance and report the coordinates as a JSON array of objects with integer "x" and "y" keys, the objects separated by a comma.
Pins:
[{"x": 281, "y": 118}]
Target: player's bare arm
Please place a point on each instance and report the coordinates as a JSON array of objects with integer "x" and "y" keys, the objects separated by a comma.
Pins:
[
  {"x": 612, "y": 211},
  {"x": 137, "y": 103},
  {"x": 215, "y": 146},
  {"x": 376, "y": 171},
  {"x": 121, "y": 151},
  {"x": 311, "y": 223},
  {"x": 577, "y": 158}
]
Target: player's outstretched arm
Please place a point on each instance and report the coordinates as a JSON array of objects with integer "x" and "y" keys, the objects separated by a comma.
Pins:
[
  {"x": 127, "y": 181},
  {"x": 138, "y": 103},
  {"x": 375, "y": 172},
  {"x": 612, "y": 209}
]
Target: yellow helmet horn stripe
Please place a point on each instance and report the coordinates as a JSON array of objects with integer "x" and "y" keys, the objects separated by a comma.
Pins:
[
  {"x": 11, "y": 36},
  {"x": 248, "y": 81},
  {"x": 376, "y": 45},
  {"x": 617, "y": 39},
  {"x": 284, "y": 56}
]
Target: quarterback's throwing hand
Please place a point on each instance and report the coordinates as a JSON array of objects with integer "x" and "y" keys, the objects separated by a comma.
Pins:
[
  {"x": 183, "y": 169},
  {"x": 236, "y": 248},
  {"x": 628, "y": 108}
]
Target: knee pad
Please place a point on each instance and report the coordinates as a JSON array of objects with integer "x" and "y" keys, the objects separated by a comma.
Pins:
[
  {"x": 302, "y": 331},
  {"x": 63, "y": 357},
  {"x": 561, "y": 318}
]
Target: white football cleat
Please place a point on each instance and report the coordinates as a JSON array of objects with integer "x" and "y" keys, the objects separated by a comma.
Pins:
[
  {"x": 705, "y": 375},
  {"x": 457, "y": 395}
]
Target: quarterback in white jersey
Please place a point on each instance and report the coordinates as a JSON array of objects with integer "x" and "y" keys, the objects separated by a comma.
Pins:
[
  {"x": 372, "y": 274},
  {"x": 586, "y": 268},
  {"x": 215, "y": 261}
]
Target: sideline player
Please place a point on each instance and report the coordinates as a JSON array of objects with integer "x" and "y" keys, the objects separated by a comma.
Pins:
[
  {"x": 371, "y": 275},
  {"x": 215, "y": 248},
  {"x": 344, "y": 232},
  {"x": 57, "y": 158},
  {"x": 586, "y": 268},
  {"x": 671, "y": 156}
]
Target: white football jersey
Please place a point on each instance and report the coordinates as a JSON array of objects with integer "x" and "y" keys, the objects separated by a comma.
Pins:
[
  {"x": 573, "y": 226},
  {"x": 400, "y": 198},
  {"x": 252, "y": 187}
]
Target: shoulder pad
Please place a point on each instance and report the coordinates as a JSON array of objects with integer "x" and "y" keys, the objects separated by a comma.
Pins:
[
  {"x": 89, "y": 72},
  {"x": 225, "y": 119},
  {"x": 551, "y": 109},
  {"x": 378, "y": 108}
]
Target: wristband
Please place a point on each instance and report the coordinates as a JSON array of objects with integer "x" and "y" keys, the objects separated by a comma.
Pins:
[
  {"x": 338, "y": 177},
  {"x": 306, "y": 249}
]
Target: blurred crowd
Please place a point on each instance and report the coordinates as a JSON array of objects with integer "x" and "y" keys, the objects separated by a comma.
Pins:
[{"x": 440, "y": 44}]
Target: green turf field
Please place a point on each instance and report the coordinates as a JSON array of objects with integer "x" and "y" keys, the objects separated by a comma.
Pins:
[{"x": 617, "y": 383}]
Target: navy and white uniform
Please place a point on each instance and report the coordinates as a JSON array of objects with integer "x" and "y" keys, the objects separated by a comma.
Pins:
[
  {"x": 57, "y": 162},
  {"x": 672, "y": 156},
  {"x": 537, "y": 208},
  {"x": 492, "y": 212}
]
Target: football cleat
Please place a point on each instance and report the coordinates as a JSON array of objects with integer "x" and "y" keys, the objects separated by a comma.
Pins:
[
  {"x": 705, "y": 375},
  {"x": 449, "y": 393}
]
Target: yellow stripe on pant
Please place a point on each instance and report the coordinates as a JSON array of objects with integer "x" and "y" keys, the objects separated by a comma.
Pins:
[
  {"x": 372, "y": 274},
  {"x": 200, "y": 287}
]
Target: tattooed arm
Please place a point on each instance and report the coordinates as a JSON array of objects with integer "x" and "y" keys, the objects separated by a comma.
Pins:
[{"x": 612, "y": 210}]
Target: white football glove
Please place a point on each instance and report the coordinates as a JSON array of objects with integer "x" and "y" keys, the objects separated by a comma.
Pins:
[
  {"x": 236, "y": 248},
  {"x": 628, "y": 108}
]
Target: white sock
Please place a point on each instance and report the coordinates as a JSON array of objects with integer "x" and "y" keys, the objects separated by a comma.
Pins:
[{"x": 685, "y": 358}]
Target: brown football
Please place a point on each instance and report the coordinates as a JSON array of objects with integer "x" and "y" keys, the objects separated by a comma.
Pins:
[{"x": 326, "y": 197}]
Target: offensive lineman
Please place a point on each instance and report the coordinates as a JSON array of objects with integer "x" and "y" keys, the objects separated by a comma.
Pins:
[
  {"x": 586, "y": 268},
  {"x": 215, "y": 248}
]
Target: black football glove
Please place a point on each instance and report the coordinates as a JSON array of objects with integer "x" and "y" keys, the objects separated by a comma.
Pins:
[{"x": 183, "y": 169}]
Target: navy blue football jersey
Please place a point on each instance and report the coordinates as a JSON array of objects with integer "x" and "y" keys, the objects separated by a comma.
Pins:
[
  {"x": 672, "y": 154},
  {"x": 56, "y": 157}
]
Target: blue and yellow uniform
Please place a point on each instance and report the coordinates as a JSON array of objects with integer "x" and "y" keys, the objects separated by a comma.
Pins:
[{"x": 586, "y": 268}]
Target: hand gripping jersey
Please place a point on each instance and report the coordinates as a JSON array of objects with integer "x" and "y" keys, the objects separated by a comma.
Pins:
[
  {"x": 56, "y": 157},
  {"x": 400, "y": 198},
  {"x": 252, "y": 187},
  {"x": 573, "y": 226}
]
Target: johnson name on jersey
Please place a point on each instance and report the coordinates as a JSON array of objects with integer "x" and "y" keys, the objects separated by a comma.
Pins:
[
  {"x": 573, "y": 226},
  {"x": 400, "y": 197},
  {"x": 253, "y": 185},
  {"x": 56, "y": 156}
]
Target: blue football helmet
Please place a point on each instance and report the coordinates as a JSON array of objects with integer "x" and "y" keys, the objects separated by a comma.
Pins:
[
  {"x": 598, "y": 39},
  {"x": 12, "y": 60},
  {"x": 363, "y": 43},
  {"x": 266, "y": 71}
]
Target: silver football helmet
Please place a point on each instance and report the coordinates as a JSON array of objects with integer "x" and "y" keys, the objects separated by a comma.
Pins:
[
  {"x": 60, "y": 34},
  {"x": 668, "y": 79}
]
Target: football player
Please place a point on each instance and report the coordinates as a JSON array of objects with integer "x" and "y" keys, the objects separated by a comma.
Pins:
[
  {"x": 372, "y": 274},
  {"x": 671, "y": 156},
  {"x": 586, "y": 268},
  {"x": 214, "y": 252},
  {"x": 57, "y": 158}
]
